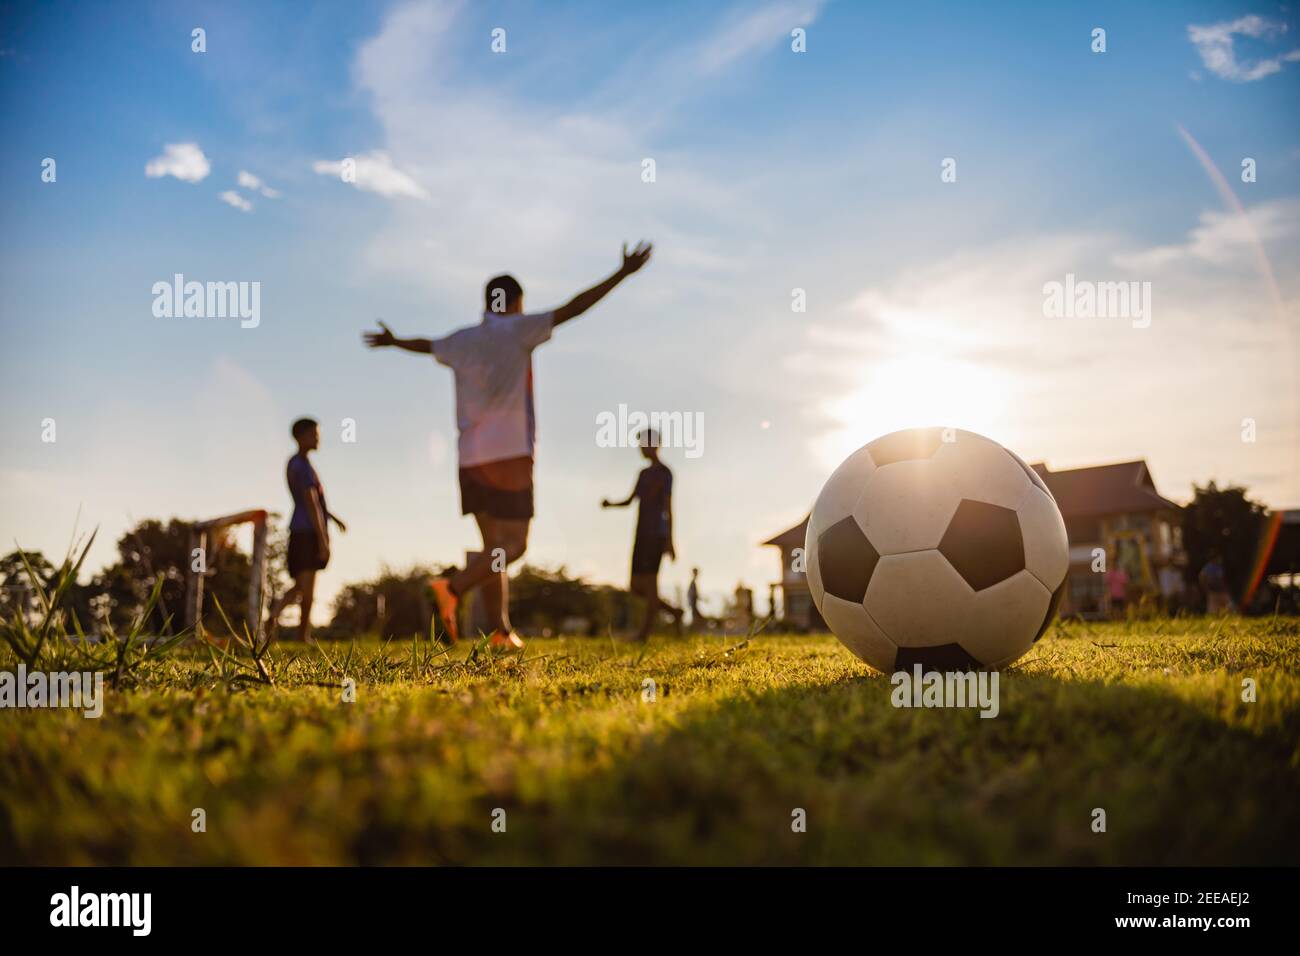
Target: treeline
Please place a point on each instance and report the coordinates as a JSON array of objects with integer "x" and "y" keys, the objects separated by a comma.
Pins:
[
  {"x": 542, "y": 601},
  {"x": 395, "y": 603},
  {"x": 149, "y": 552}
]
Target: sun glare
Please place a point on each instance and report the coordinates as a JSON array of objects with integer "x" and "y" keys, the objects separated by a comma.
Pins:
[{"x": 913, "y": 391}]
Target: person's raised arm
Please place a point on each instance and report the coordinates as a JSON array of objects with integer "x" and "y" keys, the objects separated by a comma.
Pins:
[
  {"x": 580, "y": 303},
  {"x": 386, "y": 339}
]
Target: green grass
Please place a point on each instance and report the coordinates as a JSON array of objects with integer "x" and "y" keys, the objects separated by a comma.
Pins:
[{"x": 1144, "y": 720}]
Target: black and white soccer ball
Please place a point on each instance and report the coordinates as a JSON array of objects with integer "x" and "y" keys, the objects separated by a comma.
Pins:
[{"x": 939, "y": 547}]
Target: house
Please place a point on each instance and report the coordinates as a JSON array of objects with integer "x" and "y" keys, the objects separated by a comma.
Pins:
[
  {"x": 1113, "y": 509},
  {"x": 797, "y": 608}
]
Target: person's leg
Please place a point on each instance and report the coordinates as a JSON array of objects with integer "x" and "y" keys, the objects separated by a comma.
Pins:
[
  {"x": 500, "y": 496},
  {"x": 305, "y": 584},
  {"x": 643, "y": 585},
  {"x": 508, "y": 535},
  {"x": 673, "y": 611},
  {"x": 488, "y": 585},
  {"x": 284, "y": 600},
  {"x": 514, "y": 541},
  {"x": 504, "y": 540}
]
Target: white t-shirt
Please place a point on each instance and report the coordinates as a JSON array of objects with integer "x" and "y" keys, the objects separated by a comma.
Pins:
[{"x": 493, "y": 364}]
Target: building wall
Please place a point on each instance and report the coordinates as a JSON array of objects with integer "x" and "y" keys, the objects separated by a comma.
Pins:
[{"x": 1148, "y": 541}]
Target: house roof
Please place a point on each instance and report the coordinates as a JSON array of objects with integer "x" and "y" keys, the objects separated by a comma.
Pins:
[
  {"x": 1123, "y": 487},
  {"x": 792, "y": 537}
]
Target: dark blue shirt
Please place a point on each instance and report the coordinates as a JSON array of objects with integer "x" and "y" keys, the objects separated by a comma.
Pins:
[
  {"x": 302, "y": 478},
  {"x": 654, "y": 490}
]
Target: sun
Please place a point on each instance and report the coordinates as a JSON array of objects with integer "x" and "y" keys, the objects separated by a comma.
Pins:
[{"x": 915, "y": 390}]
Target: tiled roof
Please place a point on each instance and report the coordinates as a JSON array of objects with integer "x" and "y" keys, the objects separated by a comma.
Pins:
[
  {"x": 1099, "y": 490},
  {"x": 791, "y": 538}
]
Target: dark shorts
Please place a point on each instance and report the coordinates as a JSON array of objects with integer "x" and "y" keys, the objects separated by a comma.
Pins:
[
  {"x": 304, "y": 553},
  {"x": 647, "y": 554},
  {"x": 498, "y": 489}
]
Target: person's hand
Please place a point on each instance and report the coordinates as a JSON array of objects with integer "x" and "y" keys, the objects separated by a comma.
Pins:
[
  {"x": 341, "y": 526},
  {"x": 634, "y": 260},
  {"x": 324, "y": 549},
  {"x": 379, "y": 340},
  {"x": 604, "y": 502}
]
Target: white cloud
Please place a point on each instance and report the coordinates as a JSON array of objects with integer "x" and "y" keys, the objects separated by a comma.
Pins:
[
  {"x": 1216, "y": 46},
  {"x": 232, "y": 198},
  {"x": 533, "y": 188},
  {"x": 756, "y": 31},
  {"x": 185, "y": 161},
  {"x": 254, "y": 184},
  {"x": 964, "y": 342},
  {"x": 1222, "y": 238},
  {"x": 373, "y": 172}
]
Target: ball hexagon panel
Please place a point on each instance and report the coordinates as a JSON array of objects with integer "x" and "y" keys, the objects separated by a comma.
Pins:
[
  {"x": 859, "y": 633},
  {"x": 982, "y": 469},
  {"x": 906, "y": 506},
  {"x": 919, "y": 601},
  {"x": 842, "y": 489},
  {"x": 1047, "y": 549},
  {"x": 845, "y": 560},
  {"x": 906, "y": 445},
  {"x": 983, "y": 542}
]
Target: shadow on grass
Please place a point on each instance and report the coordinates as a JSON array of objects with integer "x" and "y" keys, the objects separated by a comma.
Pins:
[
  {"x": 881, "y": 785},
  {"x": 588, "y": 776}
]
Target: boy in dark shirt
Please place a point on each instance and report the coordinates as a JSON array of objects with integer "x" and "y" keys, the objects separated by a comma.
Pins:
[
  {"x": 654, "y": 531},
  {"x": 309, "y": 542}
]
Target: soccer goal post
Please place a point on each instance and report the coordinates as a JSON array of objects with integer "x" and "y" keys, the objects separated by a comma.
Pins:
[{"x": 200, "y": 531}]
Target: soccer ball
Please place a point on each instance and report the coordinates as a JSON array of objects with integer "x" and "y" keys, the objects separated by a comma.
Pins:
[{"x": 936, "y": 547}]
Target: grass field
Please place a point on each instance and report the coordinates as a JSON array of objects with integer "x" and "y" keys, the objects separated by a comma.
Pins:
[{"x": 1145, "y": 720}]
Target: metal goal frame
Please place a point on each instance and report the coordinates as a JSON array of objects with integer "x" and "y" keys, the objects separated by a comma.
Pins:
[{"x": 199, "y": 531}]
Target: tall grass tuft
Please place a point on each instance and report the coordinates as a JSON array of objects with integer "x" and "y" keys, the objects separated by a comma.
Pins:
[{"x": 56, "y": 640}]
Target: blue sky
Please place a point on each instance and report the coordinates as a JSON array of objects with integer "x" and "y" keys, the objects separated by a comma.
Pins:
[{"x": 775, "y": 170}]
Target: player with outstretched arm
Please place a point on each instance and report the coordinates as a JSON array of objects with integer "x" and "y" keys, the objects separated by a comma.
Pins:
[{"x": 492, "y": 365}]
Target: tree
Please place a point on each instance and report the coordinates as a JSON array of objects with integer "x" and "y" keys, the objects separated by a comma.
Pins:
[
  {"x": 15, "y": 585},
  {"x": 395, "y": 604},
  {"x": 17, "y": 593},
  {"x": 542, "y": 600},
  {"x": 153, "y": 550},
  {"x": 1225, "y": 521}
]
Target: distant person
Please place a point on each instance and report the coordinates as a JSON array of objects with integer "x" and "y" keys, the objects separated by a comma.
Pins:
[
  {"x": 493, "y": 368},
  {"x": 1172, "y": 588},
  {"x": 654, "y": 531},
  {"x": 1214, "y": 582},
  {"x": 1117, "y": 580},
  {"x": 693, "y": 599},
  {"x": 309, "y": 538}
]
